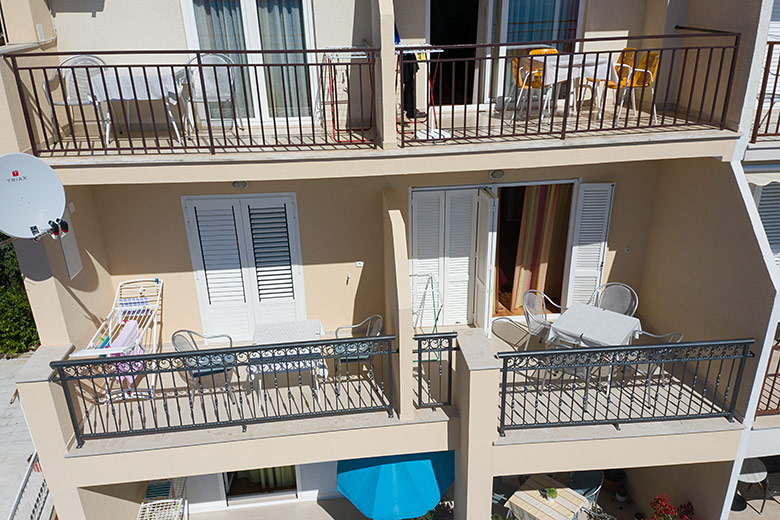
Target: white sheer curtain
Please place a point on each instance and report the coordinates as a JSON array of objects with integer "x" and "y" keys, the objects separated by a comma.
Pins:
[
  {"x": 282, "y": 28},
  {"x": 220, "y": 27}
]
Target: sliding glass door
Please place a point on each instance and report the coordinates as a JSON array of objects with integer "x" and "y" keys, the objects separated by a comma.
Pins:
[
  {"x": 282, "y": 87},
  {"x": 521, "y": 22}
]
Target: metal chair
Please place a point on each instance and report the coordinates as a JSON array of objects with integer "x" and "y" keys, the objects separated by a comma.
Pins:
[
  {"x": 615, "y": 296},
  {"x": 358, "y": 351},
  {"x": 771, "y": 488},
  {"x": 648, "y": 370},
  {"x": 527, "y": 76},
  {"x": 535, "y": 311},
  {"x": 187, "y": 341},
  {"x": 211, "y": 81},
  {"x": 74, "y": 75},
  {"x": 588, "y": 484}
]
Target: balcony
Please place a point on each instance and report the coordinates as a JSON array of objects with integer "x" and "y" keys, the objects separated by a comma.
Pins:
[
  {"x": 139, "y": 102},
  {"x": 769, "y": 401},
  {"x": 554, "y": 89},
  {"x": 767, "y": 120},
  {"x": 215, "y": 388},
  {"x": 617, "y": 385}
]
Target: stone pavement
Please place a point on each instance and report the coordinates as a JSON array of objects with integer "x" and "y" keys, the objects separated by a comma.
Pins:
[{"x": 15, "y": 441}]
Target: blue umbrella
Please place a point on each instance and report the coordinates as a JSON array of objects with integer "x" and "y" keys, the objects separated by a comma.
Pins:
[{"x": 396, "y": 487}]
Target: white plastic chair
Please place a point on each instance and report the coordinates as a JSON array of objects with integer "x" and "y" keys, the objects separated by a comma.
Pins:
[
  {"x": 78, "y": 90},
  {"x": 535, "y": 311},
  {"x": 211, "y": 83},
  {"x": 615, "y": 296}
]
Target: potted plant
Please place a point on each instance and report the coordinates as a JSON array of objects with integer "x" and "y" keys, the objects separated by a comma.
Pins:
[
  {"x": 550, "y": 494},
  {"x": 614, "y": 479},
  {"x": 621, "y": 495},
  {"x": 663, "y": 510}
]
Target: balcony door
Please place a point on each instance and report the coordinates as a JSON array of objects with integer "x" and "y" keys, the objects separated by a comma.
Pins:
[
  {"x": 272, "y": 86},
  {"x": 246, "y": 256},
  {"x": 520, "y": 22}
]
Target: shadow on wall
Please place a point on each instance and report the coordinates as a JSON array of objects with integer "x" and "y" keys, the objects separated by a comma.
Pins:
[{"x": 77, "y": 6}]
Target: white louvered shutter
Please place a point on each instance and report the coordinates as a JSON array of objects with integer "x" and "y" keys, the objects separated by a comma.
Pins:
[
  {"x": 216, "y": 247},
  {"x": 589, "y": 244},
  {"x": 460, "y": 217},
  {"x": 275, "y": 258},
  {"x": 768, "y": 200},
  {"x": 427, "y": 252}
]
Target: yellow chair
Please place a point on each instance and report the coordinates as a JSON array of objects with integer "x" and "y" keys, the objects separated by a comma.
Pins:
[
  {"x": 528, "y": 75},
  {"x": 630, "y": 79}
]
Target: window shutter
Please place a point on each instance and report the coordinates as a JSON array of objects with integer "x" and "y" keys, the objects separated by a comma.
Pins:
[
  {"x": 427, "y": 252},
  {"x": 317, "y": 481},
  {"x": 275, "y": 257},
  {"x": 769, "y": 211},
  {"x": 215, "y": 244},
  {"x": 591, "y": 228},
  {"x": 459, "y": 259}
]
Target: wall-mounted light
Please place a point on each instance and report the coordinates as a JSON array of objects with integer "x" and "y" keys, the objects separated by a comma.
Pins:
[
  {"x": 239, "y": 185},
  {"x": 496, "y": 174}
]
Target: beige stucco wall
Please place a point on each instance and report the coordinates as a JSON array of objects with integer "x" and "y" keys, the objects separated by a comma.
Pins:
[
  {"x": 131, "y": 25},
  {"x": 702, "y": 256},
  {"x": 704, "y": 485},
  {"x": 114, "y": 501}
]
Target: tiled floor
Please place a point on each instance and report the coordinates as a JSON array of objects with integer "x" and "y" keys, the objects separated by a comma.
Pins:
[
  {"x": 754, "y": 497},
  {"x": 336, "y": 509},
  {"x": 17, "y": 444}
]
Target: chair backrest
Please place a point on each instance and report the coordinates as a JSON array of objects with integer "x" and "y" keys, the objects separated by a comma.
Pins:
[
  {"x": 617, "y": 297},
  {"x": 535, "y": 311},
  {"x": 625, "y": 64},
  {"x": 373, "y": 323},
  {"x": 75, "y": 75},
  {"x": 647, "y": 70},
  {"x": 216, "y": 75},
  {"x": 670, "y": 337},
  {"x": 528, "y": 72},
  {"x": 185, "y": 341}
]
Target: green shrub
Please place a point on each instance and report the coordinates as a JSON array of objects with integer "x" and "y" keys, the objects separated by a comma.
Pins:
[{"x": 17, "y": 327}]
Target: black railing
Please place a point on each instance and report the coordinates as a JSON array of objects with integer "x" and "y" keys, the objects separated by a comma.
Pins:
[
  {"x": 510, "y": 90},
  {"x": 196, "y": 101},
  {"x": 213, "y": 388},
  {"x": 434, "y": 368},
  {"x": 615, "y": 385},
  {"x": 767, "y": 123}
]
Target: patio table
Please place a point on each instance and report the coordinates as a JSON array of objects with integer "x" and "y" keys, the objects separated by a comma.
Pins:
[
  {"x": 528, "y": 502},
  {"x": 589, "y": 326},
  {"x": 584, "y": 66},
  {"x": 120, "y": 84},
  {"x": 287, "y": 332}
]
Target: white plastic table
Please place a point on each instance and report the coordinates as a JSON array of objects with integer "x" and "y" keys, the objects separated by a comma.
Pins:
[
  {"x": 287, "y": 332},
  {"x": 753, "y": 471},
  {"x": 528, "y": 503},
  {"x": 589, "y": 326},
  {"x": 119, "y": 84},
  {"x": 584, "y": 66}
]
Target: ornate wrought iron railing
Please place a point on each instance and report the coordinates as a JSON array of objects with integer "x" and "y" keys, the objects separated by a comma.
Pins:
[
  {"x": 615, "y": 385},
  {"x": 434, "y": 368},
  {"x": 131, "y": 395}
]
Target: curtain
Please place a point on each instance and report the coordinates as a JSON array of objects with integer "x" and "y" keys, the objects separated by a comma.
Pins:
[
  {"x": 541, "y": 246},
  {"x": 220, "y": 27},
  {"x": 270, "y": 479},
  {"x": 282, "y": 28},
  {"x": 535, "y": 20}
]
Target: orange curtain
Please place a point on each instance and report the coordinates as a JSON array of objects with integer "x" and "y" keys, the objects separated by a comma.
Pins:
[{"x": 544, "y": 220}]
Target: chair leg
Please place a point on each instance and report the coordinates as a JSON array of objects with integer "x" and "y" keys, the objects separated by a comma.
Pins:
[
  {"x": 652, "y": 96},
  {"x": 173, "y": 121}
]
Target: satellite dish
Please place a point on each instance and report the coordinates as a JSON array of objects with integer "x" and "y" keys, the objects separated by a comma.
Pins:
[{"x": 32, "y": 199}]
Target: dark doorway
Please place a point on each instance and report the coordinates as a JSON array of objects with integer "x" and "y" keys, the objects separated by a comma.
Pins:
[{"x": 454, "y": 22}]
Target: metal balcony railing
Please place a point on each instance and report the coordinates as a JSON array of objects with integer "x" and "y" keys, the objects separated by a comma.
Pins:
[
  {"x": 769, "y": 400},
  {"x": 214, "y": 388},
  {"x": 120, "y": 102},
  {"x": 767, "y": 122},
  {"x": 556, "y": 88},
  {"x": 434, "y": 368},
  {"x": 615, "y": 385}
]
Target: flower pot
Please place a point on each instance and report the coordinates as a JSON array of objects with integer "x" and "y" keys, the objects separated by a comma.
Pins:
[
  {"x": 550, "y": 499},
  {"x": 621, "y": 495},
  {"x": 614, "y": 479}
]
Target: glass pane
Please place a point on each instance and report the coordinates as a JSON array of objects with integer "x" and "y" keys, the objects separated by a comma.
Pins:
[
  {"x": 282, "y": 28},
  {"x": 220, "y": 27},
  {"x": 538, "y": 20}
]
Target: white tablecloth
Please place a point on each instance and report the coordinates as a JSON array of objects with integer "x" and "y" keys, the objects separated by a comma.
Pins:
[
  {"x": 590, "y": 326},
  {"x": 584, "y": 66},
  {"x": 288, "y": 332},
  {"x": 123, "y": 85}
]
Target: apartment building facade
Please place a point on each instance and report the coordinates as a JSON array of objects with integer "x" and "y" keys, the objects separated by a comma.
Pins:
[{"x": 282, "y": 162}]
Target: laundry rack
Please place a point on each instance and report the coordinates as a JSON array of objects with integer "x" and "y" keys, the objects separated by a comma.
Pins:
[
  {"x": 338, "y": 77},
  {"x": 131, "y": 328}
]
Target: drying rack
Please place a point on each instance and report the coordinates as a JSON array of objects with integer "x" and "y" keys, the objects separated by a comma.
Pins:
[
  {"x": 401, "y": 49},
  {"x": 332, "y": 60},
  {"x": 164, "y": 500}
]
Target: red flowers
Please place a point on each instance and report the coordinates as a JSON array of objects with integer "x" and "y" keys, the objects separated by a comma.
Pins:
[{"x": 663, "y": 510}]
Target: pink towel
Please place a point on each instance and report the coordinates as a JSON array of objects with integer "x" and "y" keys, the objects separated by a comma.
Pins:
[{"x": 128, "y": 337}]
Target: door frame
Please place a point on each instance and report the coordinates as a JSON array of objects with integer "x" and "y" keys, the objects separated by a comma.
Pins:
[
  {"x": 494, "y": 186},
  {"x": 251, "y": 26},
  {"x": 296, "y": 254}
]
